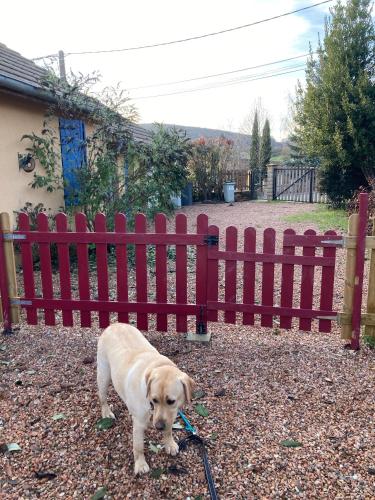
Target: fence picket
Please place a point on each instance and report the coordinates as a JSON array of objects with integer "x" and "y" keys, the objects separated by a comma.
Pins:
[
  {"x": 212, "y": 276},
  {"x": 181, "y": 273},
  {"x": 27, "y": 269},
  {"x": 141, "y": 270},
  {"x": 287, "y": 281},
  {"x": 307, "y": 284},
  {"x": 230, "y": 273},
  {"x": 249, "y": 274},
  {"x": 122, "y": 267},
  {"x": 268, "y": 275},
  {"x": 64, "y": 268},
  {"x": 46, "y": 268},
  {"x": 102, "y": 268},
  {"x": 326, "y": 290},
  {"x": 201, "y": 274},
  {"x": 83, "y": 268},
  {"x": 161, "y": 272}
]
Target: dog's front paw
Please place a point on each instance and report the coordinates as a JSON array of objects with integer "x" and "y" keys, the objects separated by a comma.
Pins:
[
  {"x": 107, "y": 413},
  {"x": 141, "y": 467},
  {"x": 171, "y": 447}
]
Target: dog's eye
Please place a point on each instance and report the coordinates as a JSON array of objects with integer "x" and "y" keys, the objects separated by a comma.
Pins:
[
  {"x": 171, "y": 401},
  {"x": 152, "y": 405},
  {"x": 155, "y": 401}
]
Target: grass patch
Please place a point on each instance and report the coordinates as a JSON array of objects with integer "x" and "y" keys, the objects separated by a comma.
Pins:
[
  {"x": 369, "y": 341},
  {"x": 324, "y": 217}
]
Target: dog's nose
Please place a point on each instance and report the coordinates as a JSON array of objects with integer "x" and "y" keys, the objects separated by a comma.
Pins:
[{"x": 160, "y": 425}]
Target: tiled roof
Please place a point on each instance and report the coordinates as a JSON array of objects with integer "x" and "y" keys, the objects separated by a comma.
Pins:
[
  {"x": 16, "y": 67},
  {"x": 139, "y": 133}
]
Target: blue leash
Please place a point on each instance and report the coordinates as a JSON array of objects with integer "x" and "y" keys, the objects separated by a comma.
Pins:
[
  {"x": 194, "y": 438},
  {"x": 188, "y": 427}
]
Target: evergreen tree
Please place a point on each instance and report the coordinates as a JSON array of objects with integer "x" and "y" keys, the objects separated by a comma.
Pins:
[
  {"x": 335, "y": 113},
  {"x": 265, "y": 148},
  {"x": 254, "y": 148}
]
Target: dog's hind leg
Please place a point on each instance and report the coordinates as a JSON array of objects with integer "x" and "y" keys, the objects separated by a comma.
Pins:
[{"x": 104, "y": 378}]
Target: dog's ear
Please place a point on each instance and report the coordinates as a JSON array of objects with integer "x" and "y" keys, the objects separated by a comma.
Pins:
[
  {"x": 188, "y": 385},
  {"x": 148, "y": 382}
]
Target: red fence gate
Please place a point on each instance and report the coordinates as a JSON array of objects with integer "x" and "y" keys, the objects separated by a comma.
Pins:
[{"x": 177, "y": 273}]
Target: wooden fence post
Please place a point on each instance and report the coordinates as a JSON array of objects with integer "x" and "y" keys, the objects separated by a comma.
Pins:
[
  {"x": 10, "y": 266},
  {"x": 346, "y": 329},
  {"x": 370, "y": 329}
]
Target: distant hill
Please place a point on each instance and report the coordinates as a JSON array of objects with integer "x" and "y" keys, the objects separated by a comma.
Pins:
[{"x": 243, "y": 140}]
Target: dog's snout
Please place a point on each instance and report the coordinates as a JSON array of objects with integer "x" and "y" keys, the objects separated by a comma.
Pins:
[{"x": 160, "y": 425}]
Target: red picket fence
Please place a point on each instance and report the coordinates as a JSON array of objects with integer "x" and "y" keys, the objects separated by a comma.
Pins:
[{"x": 284, "y": 287}]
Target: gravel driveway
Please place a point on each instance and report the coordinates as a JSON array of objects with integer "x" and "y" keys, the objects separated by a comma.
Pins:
[{"x": 263, "y": 389}]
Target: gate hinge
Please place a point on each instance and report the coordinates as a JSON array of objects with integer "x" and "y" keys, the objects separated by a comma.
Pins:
[
  {"x": 20, "y": 302},
  {"x": 13, "y": 236},
  {"x": 211, "y": 240},
  {"x": 331, "y": 318}
]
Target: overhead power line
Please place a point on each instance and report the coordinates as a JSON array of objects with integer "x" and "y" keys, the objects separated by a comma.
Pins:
[
  {"x": 189, "y": 39},
  {"x": 226, "y": 84},
  {"x": 219, "y": 74}
]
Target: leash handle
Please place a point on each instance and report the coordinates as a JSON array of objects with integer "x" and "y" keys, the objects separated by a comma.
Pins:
[{"x": 190, "y": 428}]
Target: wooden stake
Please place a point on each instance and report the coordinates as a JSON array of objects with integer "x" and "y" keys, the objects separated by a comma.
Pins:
[
  {"x": 346, "y": 330},
  {"x": 10, "y": 267},
  {"x": 370, "y": 329}
]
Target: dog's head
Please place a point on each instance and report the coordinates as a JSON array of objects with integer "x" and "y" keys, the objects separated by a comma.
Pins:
[{"x": 168, "y": 389}]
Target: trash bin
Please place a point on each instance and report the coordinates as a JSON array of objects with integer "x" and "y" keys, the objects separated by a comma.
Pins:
[
  {"x": 187, "y": 195},
  {"x": 229, "y": 191},
  {"x": 176, "y": 200}
]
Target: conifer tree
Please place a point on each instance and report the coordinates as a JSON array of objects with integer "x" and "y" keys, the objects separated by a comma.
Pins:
[
  {"x": 335, "y": 112},
  {"x": 265, "y": 148}
]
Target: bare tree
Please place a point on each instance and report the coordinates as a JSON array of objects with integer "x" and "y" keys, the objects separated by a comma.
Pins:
[{"x": 258, "y": 108}]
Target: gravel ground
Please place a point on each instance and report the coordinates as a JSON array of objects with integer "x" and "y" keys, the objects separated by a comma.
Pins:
[{"x": 260, "y": 387}]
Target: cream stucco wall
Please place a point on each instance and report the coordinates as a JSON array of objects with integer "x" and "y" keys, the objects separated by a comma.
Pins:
[{"x": 19, "y": 116}]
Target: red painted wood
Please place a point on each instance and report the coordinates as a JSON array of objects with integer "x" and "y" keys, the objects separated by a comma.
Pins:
[
  {"x": 102, "y": 269},
  {"x": 327, "y": 286},
  {"x": 249, "y": 274},
  {"x": 46, "y": 269},
  {"x": 287, "y": 281},
  {"x": 275, "y": 258},
  {"x": 307, "y": 285},
  {"x": 212, "y": 275},
  {"x": 114, "y": 238},
  {"x": 201, "y": 271},
  {"x": 113, "y": 306},
  {"x": 64, "y": 268},
  {"x": 270, "y": 310},
  {"x": 268, "y": 273},
  {"x": 122, "y": 267},
  {"x": 27, "y": 269},
  {"x": 181, "y": 272},
  {"x": 359, "y": 270},
  {"x": 161, "y": 272},
  {"x": 141, "y": 270},
  {"x": 300, "y": 240},
  {"x": 83, "y": 268},
  {"x": 230, "y": 273}
]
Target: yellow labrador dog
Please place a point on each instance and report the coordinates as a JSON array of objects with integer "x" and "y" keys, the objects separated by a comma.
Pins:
[{"x": 149, "y": 384}]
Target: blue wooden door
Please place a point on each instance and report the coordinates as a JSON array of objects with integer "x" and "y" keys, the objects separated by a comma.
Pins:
[{"x": 73, "y": 154}]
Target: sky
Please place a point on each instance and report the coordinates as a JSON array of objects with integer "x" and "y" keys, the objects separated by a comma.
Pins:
[{"x": 41, "y": 28}]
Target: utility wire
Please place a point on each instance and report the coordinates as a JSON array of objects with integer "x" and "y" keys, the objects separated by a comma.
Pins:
[
  {"x": 227, "y": 84},
  {"x": 198, "y": 37},
  {"x": 219, "y": 74}
]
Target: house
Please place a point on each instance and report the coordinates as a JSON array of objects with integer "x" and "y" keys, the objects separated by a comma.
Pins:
[{"x": 23, "y": 105}]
